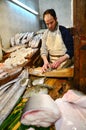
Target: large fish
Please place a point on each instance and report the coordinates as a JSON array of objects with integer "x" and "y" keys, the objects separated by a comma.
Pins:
[
  {"x": 10, "y": 98},
  {"x": 73, "y": 111},
  {"x": 40, "y": 110}
]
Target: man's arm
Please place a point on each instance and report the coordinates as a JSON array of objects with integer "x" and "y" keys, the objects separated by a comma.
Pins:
[
  {"x": 43, "y": 50},
  {"x": 44, "y": 53},
  {"x": 58, "y": 62}
]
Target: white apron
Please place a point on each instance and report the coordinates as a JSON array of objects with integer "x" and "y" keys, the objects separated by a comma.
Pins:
[{"x": 56, "y": 46}]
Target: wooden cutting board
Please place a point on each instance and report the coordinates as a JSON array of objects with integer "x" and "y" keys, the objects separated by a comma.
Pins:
[{"x": 66, "y": 72}]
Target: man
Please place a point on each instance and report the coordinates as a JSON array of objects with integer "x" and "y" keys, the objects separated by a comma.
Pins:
[{"x": 57, "y": 43}]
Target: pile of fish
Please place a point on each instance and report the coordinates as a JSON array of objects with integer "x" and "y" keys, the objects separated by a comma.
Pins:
[
  {"x": 18, "y": 57},
  {"x": 21, "y": 38},
  {"x": 11, "y": 92},
  {"x": 22, "y": 47},
  {"x": 30, "y": 38}
]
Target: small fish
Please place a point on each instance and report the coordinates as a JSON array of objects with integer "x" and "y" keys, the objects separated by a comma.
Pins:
[
  {"x": 3, "y": 74},
  {"x": 38, "y": 81}
]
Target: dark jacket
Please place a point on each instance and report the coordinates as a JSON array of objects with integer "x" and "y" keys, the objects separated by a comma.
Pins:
[{"x": 68, "y": 40}]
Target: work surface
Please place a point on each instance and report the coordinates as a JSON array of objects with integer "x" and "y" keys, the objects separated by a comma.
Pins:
[{"x": 56, "y": 73}]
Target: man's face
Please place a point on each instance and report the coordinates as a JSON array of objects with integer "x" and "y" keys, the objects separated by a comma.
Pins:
[{"x": 50, "y": 22}]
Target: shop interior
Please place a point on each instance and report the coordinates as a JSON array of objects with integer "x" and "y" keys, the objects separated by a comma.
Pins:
[{"x": 29, "y": 99}]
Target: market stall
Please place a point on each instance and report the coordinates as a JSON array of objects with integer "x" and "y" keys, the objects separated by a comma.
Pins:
[{"x": 18, "y": 83}]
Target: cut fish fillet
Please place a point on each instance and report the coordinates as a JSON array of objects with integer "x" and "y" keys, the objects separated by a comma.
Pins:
[{"x": 40, "y": 110}]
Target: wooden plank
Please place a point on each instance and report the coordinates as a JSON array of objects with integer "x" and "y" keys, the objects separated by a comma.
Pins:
[
  {"x": 66, "y": 72},
  {"x": 79, "y": 16}
]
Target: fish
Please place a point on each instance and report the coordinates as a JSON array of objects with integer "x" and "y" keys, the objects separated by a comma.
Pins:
[
  {"x": 35, "y": 90},
  {"x": 12, "y": 95},
  {"x": 73, "y": 111},
  {"x": 9, "y": 94},
  {"x": 1, "y": 70},
  {"x": 38, "y": 81},
  {"x": 8, "y": 83},
  {"x": 4, "y": 89},
  {"x": 3, "y": 74},
  {"x": 11, "y": 74},
  {"x": 11, "y": 103},
  {"x": 40, "y": 110}
]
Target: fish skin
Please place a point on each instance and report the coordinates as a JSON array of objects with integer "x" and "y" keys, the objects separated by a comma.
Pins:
[
  {"x": 34, "y": 90},
  {"x": 11, "y": 82},
  {"x": 13, "y": 98},
  {"x": 14, "y": 88},
  {"x": 9, "y": 94},
  {"x": 11, "y": 74},
  {"x": 11, "y": 103},
  {"x": 4, "y": 89},
  {"x": 3, "y": 74}
]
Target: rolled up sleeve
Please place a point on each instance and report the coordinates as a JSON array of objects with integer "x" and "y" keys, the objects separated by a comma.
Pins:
[{"x": 43, "y": 50}]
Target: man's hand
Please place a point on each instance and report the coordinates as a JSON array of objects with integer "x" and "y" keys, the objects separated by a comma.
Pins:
[
  {"x": 45, "y": 67},
  {"x": 56, "y": 64}
]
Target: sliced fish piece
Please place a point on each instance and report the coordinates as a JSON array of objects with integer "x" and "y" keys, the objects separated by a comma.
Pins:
[
  {"x": 40, "y": 110},
  {"x": 38, "y": 81}
]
